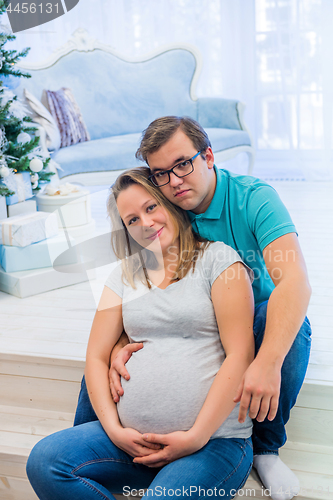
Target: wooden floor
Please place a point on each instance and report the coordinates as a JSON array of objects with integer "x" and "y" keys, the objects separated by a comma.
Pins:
[{"x": 57, "y": 323}]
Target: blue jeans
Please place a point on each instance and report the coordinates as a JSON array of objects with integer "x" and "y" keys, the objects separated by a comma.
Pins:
[
  {"x": 82, "y": 463},
  {"x": 268, "y": 436}
]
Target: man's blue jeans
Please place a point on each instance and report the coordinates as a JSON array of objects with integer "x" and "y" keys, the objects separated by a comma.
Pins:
[
  {"x": 268, "y": 436},
  {"x": 81, "y": 463}
]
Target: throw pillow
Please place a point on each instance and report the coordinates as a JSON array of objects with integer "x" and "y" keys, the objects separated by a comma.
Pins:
[
  {"x": 43, "y": 117},
  {"x": 67, "y": 114}
]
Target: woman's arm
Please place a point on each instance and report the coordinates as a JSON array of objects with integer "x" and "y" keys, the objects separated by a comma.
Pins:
[
  {"x": 105, "y": 332},
  {"x": 234, "y": 309}
]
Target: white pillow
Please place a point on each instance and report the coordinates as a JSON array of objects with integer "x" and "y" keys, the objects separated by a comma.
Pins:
[{"x": 42, "y": 116}]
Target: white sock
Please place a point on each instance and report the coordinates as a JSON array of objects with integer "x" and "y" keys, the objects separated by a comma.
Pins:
[{"x": 276, "y": 477}]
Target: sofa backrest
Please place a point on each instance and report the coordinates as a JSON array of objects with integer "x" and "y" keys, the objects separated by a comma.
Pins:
[{"x": 117, "y": 96}]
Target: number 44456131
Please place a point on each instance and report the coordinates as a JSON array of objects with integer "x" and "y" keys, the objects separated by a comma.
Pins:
[{"x": 32, "y": 8}]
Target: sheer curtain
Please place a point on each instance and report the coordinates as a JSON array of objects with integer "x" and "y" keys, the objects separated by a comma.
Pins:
[
  {"x": 135, "y": 27},
  {"x": 274, "y": 55},
  {"x": 294, "y": 86}
]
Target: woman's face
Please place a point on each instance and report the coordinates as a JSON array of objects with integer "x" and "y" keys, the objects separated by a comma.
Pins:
[{"x": 147, "y": 222}]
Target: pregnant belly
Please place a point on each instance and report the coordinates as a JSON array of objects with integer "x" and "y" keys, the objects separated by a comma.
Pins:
[{"x": 165, "y": 392}]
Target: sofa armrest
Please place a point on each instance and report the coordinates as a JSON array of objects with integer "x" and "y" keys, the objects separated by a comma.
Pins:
[{"x": 216, "y": 112}]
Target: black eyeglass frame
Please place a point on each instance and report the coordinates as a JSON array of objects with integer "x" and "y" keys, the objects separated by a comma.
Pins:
[{"x": 171, "y": 170}]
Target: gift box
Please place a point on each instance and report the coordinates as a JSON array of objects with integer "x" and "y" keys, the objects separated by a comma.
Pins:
[
  {"x": 38, "y": 255},
  {"x": 22, "y": 230},
  {"x": 73, "y": 209},
  {"x": 20, "y": 184},
  {"x": 26, "y": 283},
  {"x": 23, "y": 207},
  {"x": 3, "y": 208}
]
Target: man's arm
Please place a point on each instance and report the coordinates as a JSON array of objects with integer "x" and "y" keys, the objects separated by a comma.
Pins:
[{"x": 286, "y": 311}]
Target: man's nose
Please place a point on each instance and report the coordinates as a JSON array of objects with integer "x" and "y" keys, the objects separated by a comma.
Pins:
[{"x": 174, "y": 180}]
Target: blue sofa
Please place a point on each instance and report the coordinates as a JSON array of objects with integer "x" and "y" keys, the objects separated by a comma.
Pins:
[{"x": 118, "y": 99}]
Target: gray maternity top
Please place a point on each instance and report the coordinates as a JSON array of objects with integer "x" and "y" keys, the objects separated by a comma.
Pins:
[{"x": 182, "y": 353}]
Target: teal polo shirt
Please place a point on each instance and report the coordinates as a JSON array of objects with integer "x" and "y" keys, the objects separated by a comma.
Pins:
[{"x": 247, "y": 214}]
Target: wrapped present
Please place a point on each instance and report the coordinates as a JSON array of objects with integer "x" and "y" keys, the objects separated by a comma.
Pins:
[
  {"x": 22, "y": 230},
  {"x": 23, "y": 207},
  {"x": 26, "y": 283},
  {"x": 71, "y": 204},
  {"x": 3, "y": 208},
  {"x": 38, "y": 255},
  {"x": 20, "y": 184}
]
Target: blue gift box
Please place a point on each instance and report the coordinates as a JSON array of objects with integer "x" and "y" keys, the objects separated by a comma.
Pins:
[
  {"x": 20, "y": 183},
  {"x": 37, "y": 255}
]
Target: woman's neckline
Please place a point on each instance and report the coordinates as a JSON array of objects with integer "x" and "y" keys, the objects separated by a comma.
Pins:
[{"x": 173, "y": 282}]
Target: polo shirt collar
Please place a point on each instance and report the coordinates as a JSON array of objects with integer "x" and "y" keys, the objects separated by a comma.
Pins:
[{"x": 216, "y": 206}]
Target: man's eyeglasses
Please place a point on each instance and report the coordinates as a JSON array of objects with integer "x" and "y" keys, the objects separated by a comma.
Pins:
[{"x": 180, "y": 170}]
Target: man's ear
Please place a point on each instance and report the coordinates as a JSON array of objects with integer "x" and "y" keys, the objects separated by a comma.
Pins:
[{"x": 209, "y": 157}]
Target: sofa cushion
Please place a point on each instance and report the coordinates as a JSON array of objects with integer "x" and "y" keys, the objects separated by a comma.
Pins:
[
  {"x": 117, "y": 152},
  {"x": 67, "y": 115},
  {"x": 42, "y": 116},
  {"x": 111, "y": 153}
]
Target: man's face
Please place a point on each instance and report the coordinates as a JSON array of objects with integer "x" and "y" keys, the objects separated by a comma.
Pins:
[{"x": 196, "y": 190}]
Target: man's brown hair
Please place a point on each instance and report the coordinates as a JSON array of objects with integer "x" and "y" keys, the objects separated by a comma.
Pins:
[{"x": 161, "y": 130}]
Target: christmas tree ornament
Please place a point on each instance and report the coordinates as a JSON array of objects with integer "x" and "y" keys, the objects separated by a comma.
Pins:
[
  {"x": 36, "y": 165},
  {"x": 23, "y": 138},
  {"x": 34, "y": 180},
  {"x": 4, "y": 171}
]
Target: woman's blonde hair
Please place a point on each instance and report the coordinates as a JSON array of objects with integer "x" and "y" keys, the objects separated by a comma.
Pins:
[{"x": 135, "y": 258}]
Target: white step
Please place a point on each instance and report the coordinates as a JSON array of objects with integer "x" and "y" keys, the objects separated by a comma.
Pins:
[
  {"x": 53, "y": 384},
  {"x": 21, "y": 428},
  {"x": 38, "y": 382},
  {"x": 311, "y": 420},
  {"x": 39, "y": 395}
]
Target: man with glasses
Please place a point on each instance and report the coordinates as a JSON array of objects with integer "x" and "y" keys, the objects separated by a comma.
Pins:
[{"x": 247, "y": 214}]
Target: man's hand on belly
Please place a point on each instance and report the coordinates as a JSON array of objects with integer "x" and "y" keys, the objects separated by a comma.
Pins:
[
  {"x": 118, "y": 369},
  {"x": 175, "y": 445}
]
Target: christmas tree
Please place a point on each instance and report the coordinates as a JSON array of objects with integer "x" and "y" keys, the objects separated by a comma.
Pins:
[{"x": 19, "y": 151}]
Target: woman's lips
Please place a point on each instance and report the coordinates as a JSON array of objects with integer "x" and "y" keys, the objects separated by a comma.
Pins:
[{"x": 155, "y": 235}]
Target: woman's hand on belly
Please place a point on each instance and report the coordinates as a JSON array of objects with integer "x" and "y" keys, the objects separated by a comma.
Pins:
[
  {"x": 175, "y": 445},
  {"x": 132, "y": 442}
]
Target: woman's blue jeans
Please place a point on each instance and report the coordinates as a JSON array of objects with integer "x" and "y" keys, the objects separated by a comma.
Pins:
[
  {"x": 268, "y": 436},
  {"x": 81, "y": 463}
]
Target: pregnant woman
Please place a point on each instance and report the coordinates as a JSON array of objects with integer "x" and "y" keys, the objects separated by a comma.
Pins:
[{"x": 190, "y": 303}]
